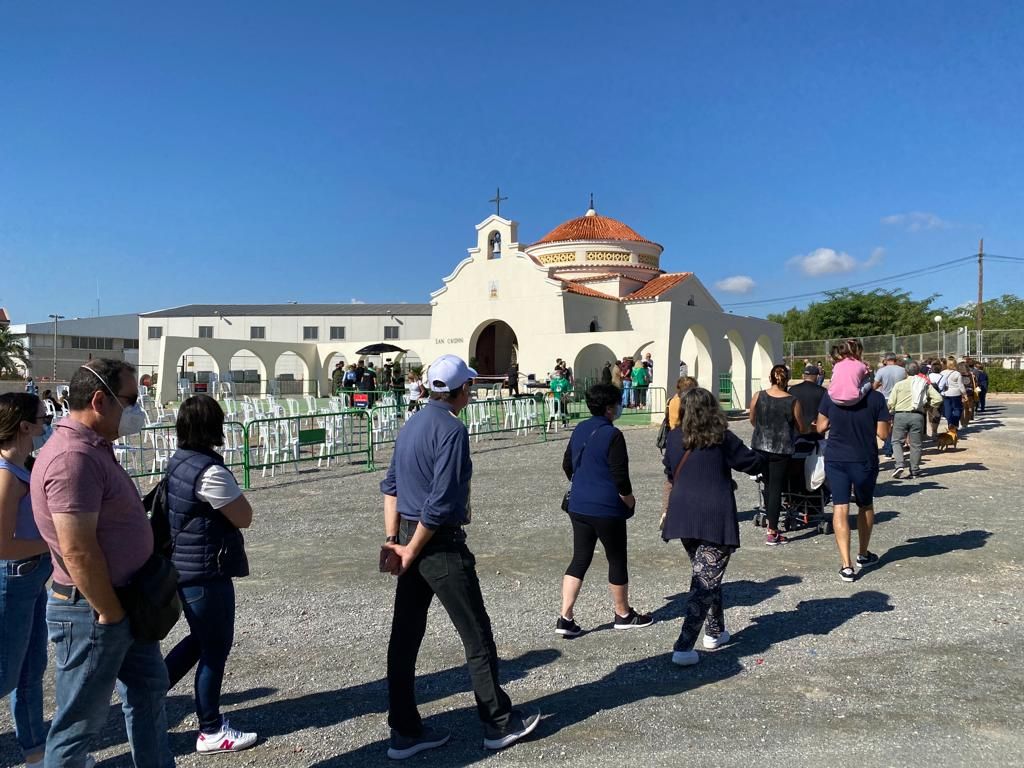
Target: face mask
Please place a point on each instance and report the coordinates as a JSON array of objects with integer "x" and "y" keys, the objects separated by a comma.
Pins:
[
  {"x": 39, "y": 440},
  {"x": 133, "y": 418}
]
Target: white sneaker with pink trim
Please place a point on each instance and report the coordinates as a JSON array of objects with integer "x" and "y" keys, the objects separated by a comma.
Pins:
[{"x": 227, "y": 739}]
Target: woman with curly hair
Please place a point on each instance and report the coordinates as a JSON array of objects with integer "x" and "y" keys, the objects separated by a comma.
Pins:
[{"x": 699, "y": 459}]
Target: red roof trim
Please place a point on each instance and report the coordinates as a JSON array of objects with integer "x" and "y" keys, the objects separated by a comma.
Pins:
[{"x": 658, "y": 286}]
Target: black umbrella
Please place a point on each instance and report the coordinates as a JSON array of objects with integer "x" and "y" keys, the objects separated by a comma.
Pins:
[{"x": 379, "y": 349}]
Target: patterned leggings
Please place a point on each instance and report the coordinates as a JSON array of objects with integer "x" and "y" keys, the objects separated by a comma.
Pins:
[{"x": 705, "y": 601}]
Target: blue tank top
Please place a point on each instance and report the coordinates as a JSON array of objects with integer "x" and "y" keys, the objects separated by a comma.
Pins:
[{"x": 25, "y": 525}]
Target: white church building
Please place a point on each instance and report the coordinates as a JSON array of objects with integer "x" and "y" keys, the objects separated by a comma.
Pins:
[{"x": 592, "y": 290}]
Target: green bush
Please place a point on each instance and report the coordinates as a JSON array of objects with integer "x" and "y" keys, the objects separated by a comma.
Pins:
[{"x": 1004, "y": 379}]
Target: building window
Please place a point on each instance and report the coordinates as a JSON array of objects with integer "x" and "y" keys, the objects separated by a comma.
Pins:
[
  {"x": 91, "y": 342},
  {"x": 131, "y": 344},
  {"x": 337, "y": 333},
  {"x": 494, "y": 246},
  {"x": 155, "y": 332},
  {"x": 257, "y": 331},
  {"x": 390, "y": 331},
  {"x": 310, "y": 333},
  {"x": 205, "y": 331}
]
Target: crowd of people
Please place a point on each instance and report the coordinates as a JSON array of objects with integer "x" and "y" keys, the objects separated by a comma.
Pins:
[
  {"x": 631, "y": 377},
  {"x": 74, "y": 515}
]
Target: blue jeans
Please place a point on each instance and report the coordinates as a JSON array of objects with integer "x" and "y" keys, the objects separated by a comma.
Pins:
[
  {"x": 627, "y": 393},
  {"x": 952, "y": 408},
  {"x": 210, "y": 612},
  {"x": 23, "y": 649},
  {"x": 91, "y": 658}
]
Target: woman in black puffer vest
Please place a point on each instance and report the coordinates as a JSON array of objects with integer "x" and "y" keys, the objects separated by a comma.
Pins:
[{"x": 206, "y": 510}]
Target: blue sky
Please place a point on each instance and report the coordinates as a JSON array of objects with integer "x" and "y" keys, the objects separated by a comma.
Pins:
[{"x": 265, "y": 152}]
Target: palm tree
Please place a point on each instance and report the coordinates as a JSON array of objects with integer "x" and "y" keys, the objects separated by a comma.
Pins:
[{"x": 12, "y": 352}]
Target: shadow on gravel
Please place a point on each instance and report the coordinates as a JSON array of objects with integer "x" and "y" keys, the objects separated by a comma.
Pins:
[
  {"x": 734, "y": 594},
  {"x": 904, "y": 488},
  {"x": 634, "y": 681},
  {"x": 970, "y": 466},
  {"x": 930, "y": 546}
]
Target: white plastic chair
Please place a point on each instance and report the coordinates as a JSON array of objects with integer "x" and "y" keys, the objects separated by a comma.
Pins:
[
  {"x": 293, "y": 406},
  {"x": 311, "y": 406}
]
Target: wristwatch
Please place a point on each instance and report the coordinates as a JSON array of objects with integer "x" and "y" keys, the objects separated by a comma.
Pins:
[{"x": 390, "y": 539}]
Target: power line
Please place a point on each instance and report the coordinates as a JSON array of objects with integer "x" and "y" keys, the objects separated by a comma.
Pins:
[{"x": 940, "y": 267}]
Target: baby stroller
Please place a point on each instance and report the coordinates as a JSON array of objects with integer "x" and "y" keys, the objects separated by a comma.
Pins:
[{"x": 802, "y": 506}]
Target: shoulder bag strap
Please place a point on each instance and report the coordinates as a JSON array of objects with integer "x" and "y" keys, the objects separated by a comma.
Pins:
[
  {"x": 679, "y": 467},
  {"x": 576, "y": 464}
]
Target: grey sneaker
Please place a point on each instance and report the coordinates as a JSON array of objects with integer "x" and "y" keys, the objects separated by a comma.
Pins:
[
  {"x": 406, "y": 746},
  {"x": 521, "y": 724}
]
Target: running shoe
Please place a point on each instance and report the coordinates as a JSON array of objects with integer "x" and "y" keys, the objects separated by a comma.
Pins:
[
  {"x": 717, "y": 642},
  {"x": 633, "y": 620},
  {"x": 774, "y": 539},
  {"x": 402, "y": 747},
  {"x": 567, "y": 627},
  {"x": 868, "y": 558},
  {"x": 519, "y": 725},
  {"x": 897, "y": 473},
  {"x": 847, "y": 574},
  {"x": 227, "y": 739}
]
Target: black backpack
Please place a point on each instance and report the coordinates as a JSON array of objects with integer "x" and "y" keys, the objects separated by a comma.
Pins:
[
  {"x": 155, "y": 503},
  {"x": 662, "y": 439}
]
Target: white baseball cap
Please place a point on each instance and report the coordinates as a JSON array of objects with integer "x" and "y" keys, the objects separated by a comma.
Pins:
[{"x": 451, "y": 371}]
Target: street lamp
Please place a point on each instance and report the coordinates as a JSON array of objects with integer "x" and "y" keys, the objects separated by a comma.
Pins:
[
  {"x": 55, "y": 319},
  {"x": 940, "y": 344}
]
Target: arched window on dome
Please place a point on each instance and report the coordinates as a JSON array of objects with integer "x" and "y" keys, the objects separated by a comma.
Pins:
[{"x": 494, "y": 246}]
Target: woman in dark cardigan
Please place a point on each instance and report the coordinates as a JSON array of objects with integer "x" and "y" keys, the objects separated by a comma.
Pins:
[{"x": 699, "y": 460}]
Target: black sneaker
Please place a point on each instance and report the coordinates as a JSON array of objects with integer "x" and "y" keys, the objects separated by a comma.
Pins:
[
  {"x": 402, "y": 747},
  {"x": 868, "y": 558},
  {"x": 847, "y": 574},
  {"x": 567, "y": 627},
  {"x": 519, "y": 725},
  {"x": 633, "y": 620}
]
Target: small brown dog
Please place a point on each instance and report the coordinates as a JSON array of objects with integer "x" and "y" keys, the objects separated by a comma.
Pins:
[{"x": 946, "y": 439}]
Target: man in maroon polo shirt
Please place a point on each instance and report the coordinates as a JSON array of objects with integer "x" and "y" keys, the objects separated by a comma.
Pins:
[{"x": 89, "y": 512}]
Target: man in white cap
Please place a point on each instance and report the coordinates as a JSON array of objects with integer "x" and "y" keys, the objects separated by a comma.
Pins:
[{"x": 426, "y": 505}]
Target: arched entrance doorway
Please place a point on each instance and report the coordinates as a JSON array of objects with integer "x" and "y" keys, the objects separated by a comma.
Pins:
[
  {"x": 761, "y": 363},
  {"x": 495, "y": 349},
  {"x": 695, "y": 354},
  {"x": 590, "y": 361},
  {"x": 197, "y": 367}
]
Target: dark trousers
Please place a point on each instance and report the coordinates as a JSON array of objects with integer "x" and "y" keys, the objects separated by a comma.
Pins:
[
  {"x": 587, "y": 530},
  {"x": 953, "y": 408},
  {"x": 209, "y": 608},
  {"x": 708, "y": 562},
  {"x": 981, "y": 398},
  {"x": 445, "y": 568},
  {"x": 775, "y": 474}
]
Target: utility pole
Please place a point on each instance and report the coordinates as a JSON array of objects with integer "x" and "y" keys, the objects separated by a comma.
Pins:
[
  {"x": 979, "y": 311},
  {"x": 55, "y": 319}
]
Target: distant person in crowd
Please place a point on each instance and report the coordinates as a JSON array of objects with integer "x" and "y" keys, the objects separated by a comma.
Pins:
[
  {"x": 89, "y": 512},
  {"x": 617, "y": 377},
  {"x": 850, "y": 380},
  {"x": 351, "y": 377},
  {"x": 649, "y": 365},
  {"x": 821, "y": 374},
  {"x": 641, "y": 379},
  {"x": 31, "y": 387},
  {"x": 952, "y": 395},
  {"x": 415, "y": 392},
  {"x": 368, "y": 381},
  {"x": 559, "y": 386},
  {"x": 908, "y": 403},
  {"x": 699, "y": 458},
  {"x": 776, "y": 417},
  {"x": 937, "y": 379},
  {"x": 387, "y": 374},
  {"x": 360, "y": 370},
  {"x": 25, "y": 568},
  {"x": 207, "y": 511},
  {"x": 337, "y": 377},
  {"x": 426, "y": 506},
  {"x": 672, "y": 412},
  {"x": 981, "y": 375},
  {"x": 967, "y": 379},
  {"x": 683, "y": 369},
  {"x": 568, "y": 373},
  {"x": 606, "y": 373},
  {"x": 851, "y": 461},
  {"x": 627, "y": 382},
  {"x": 48, "y": 396},
  {"x": 600, "y": 502},
  {"x": 886, "y": 378},
  {"x": 513, "y": 379},
  {"x": 808, "y": 393}
]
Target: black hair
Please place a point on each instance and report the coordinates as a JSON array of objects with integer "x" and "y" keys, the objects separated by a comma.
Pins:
[
  {"x": 87, "y": 381},
  {"x": 447, "y": 396},
  {"x": 200, "y": 424},
  {"x": 601, "y": 396},
  {"x": 16, "y": 407}
]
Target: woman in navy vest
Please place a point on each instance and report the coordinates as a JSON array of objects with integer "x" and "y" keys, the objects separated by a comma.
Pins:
[
  {"x": 206, "y": 509},
  {"x": 699, "y": 458},
  {"x": 600, "y": 501}
]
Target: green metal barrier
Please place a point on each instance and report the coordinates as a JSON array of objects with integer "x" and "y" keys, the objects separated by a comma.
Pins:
[
  {"x": 146, "y": 454},
  {"x": 646, "y": 402},
  {"x": 271, "y": 442},
  {"x": 492, "y": 416}
]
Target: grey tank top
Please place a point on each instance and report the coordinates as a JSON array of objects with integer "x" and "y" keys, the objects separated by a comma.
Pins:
[{"x": 774, "y": 424}]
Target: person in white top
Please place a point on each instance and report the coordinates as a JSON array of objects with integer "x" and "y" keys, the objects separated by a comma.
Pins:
[
  {"x": 952, "y": 395},
  {"x": 415, "y": 392}
]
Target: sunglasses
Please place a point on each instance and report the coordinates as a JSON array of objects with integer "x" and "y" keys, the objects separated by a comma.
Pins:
[{"x": 45, "y": 418}]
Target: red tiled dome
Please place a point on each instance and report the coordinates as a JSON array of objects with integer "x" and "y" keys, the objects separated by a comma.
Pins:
[{"x": 591, "y": 227}]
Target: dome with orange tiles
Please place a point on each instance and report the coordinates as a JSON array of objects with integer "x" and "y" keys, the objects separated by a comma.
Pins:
[{"x": 590, "y": 227}]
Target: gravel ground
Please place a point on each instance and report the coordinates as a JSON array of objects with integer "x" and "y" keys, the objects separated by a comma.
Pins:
[{"x": 917, "y": 663}]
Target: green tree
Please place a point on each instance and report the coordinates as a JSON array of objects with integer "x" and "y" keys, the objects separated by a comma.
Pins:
[
  {"x": 858, "y": 313},
  {"x": 12, "y": 351},
  {"x": 1005, "y": 312}
]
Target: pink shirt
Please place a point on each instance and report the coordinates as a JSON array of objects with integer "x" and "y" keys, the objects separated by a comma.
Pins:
[
  {"x": 847, "y": 377},
  {"x": 76, "y": 473}
]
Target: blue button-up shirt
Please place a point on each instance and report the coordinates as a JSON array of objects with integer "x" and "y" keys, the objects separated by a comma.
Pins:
[{"x": 431, "y": 469}]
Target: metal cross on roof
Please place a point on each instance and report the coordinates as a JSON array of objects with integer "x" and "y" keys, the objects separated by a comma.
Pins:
[{"x": 497, "y": 201}]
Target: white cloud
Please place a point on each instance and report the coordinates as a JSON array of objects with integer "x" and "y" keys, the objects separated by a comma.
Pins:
[
  {"x": 356, "y": 301},
  {"x": 876, "y": 257},
  {"x": 736, "y": 284},
  {"x": 916, "y": 221},
  {"x": 824, "y": 261}
]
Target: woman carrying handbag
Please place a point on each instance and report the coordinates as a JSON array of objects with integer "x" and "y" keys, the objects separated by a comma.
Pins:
[{"x": 701, "y": 512}]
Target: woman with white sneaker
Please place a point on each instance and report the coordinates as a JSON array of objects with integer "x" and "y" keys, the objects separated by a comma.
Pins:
[{"x": 699, "y": 458}]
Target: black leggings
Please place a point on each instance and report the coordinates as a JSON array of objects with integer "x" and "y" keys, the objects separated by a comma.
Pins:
[
  {"x": 776, "y": 475},
  {"x": 586, "y": 531}
]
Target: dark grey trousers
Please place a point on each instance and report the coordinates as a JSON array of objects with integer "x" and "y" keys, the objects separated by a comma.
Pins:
[{"x": 908, "y": 424}]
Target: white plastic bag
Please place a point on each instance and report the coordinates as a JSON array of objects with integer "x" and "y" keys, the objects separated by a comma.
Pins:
[{"x": 814, "y": 467}]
